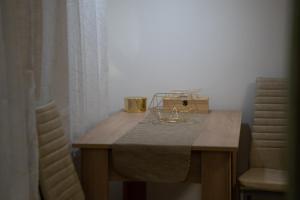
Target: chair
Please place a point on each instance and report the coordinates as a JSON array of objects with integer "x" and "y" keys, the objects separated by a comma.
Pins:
[
  {"x": 267, "y": 171},
  {"x": 58, "y": 178}
]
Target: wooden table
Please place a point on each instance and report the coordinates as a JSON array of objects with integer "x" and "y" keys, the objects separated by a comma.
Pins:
[{"x": 217, "y": 143}]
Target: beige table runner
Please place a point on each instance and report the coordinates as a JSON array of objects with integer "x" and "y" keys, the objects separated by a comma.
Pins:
[{"x": 157, "y": 152}]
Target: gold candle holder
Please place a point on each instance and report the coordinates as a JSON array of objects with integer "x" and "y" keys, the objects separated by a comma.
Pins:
[{"x": 135, "y": 104}]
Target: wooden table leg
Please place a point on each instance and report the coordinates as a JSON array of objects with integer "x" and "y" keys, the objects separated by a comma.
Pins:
[
  {"x": 235, "y": 192},
  {"x": 95, "y": 177},
  {"x": 216, "y": 175}
]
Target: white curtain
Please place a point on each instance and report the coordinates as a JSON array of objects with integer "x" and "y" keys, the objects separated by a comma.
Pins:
[
  {"x": 32, "y": 52},
  {"x": 19, "y": 41},
  {"x": 47, "y": 51},
  {"x": 28, "y": 46},
  {"x": 88, "y": 68}
]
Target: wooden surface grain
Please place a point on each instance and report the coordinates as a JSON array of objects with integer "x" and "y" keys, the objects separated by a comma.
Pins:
[
  {"x": 95, "y": 174},
  {"x": 216, "y": 175},
  {"x": 219, "y": 132}
]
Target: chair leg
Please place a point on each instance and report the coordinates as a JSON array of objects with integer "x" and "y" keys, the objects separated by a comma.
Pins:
[
  {"x": 248, "y": 196},
  {"x": 245, "y": 195},
  {"x": 241, "y": 195}
]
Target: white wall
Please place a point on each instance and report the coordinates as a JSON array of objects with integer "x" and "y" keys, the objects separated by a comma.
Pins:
[{"x": 220, "y": 46}]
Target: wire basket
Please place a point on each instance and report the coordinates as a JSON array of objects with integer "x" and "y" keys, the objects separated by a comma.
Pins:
[{"x": 165, "y": 111}]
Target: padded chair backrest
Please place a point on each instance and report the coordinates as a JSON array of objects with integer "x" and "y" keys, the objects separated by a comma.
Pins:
[
  {"x": 269, "y": 131},
  {"x": 58, "y": 178}
]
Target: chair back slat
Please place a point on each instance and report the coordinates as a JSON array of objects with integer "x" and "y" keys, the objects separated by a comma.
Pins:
[
  {"x": 269, "y": 130},
  {"x": 58, "y": 178}
]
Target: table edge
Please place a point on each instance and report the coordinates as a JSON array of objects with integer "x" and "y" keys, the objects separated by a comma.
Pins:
[{"x": 109, "y": 147}]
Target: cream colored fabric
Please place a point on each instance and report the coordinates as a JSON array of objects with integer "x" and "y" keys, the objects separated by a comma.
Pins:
[
  {"x": 19, "y": 60},
  {"x": 264, "y": 179},
  {"x": 31, "y": 45},
  {"x": 58, "y": 178},
  {"x": 193, "y": 176},
  {"x": 157, "y": 152},
  {"x": 269, "y": 137}
]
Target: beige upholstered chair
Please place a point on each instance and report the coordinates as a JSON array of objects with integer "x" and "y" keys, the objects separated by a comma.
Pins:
[
  {"x": 269, "y": 139},
  {"x": 58, "y": 178}
]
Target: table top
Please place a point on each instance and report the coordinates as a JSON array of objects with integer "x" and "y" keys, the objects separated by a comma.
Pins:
[{"x": 219, "y": 132}]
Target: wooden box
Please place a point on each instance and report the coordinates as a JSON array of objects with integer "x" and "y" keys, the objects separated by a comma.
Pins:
[
  {"x": 194, "y": 105},
  {"x": 135, "y": 104}
]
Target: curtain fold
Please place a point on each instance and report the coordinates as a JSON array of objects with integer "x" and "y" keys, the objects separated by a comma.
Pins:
[
  {"x": 41, "y": 61},
  {"x": 18, "y": 143},
  {"x": 88, "y": 68}
]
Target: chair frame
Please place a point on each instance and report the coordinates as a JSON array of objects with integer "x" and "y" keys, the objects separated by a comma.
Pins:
[{"x": 248, "y": 193}]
